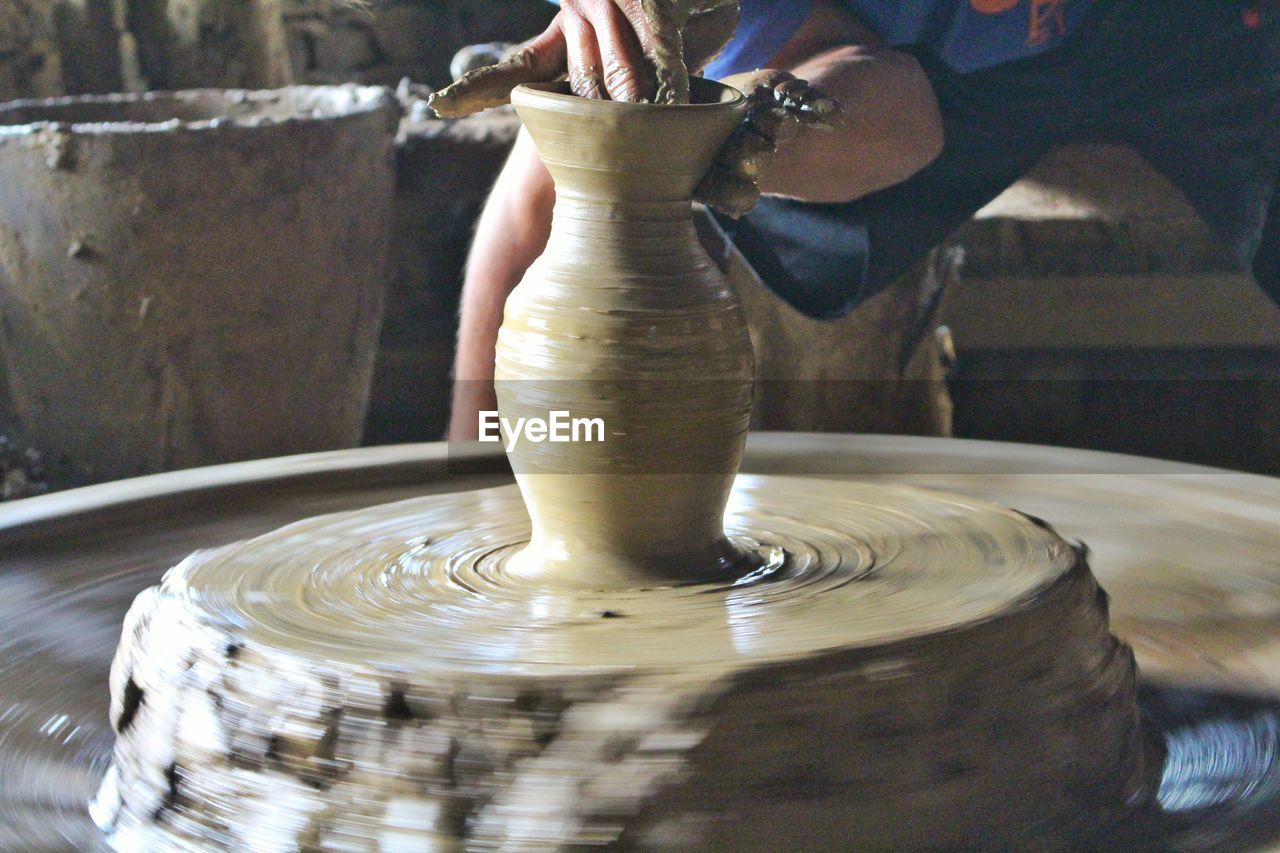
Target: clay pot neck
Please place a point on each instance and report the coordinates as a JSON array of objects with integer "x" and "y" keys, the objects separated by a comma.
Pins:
[{"x": 628, "y": 154}]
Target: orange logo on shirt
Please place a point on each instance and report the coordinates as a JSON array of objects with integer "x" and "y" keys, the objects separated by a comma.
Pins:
[{"x": 1048, "y": 17}]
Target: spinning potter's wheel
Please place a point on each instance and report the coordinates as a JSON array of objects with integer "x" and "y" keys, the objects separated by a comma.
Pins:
[
  {"x": 639, "y": 647},
  {"x": 1189, "y": 555},
  {"x": 893, "y": 665}
]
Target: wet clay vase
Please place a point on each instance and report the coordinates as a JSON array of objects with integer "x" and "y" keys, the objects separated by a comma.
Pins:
[{"x": 626, "y": 320}]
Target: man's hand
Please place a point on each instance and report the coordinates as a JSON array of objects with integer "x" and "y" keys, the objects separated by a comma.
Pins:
[
  {"x": 624, "y": 50},
  {"x": 779, "y": 105}
]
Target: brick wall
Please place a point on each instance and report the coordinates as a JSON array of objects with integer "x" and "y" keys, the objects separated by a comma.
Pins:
[{"x": 54, "y": 47}]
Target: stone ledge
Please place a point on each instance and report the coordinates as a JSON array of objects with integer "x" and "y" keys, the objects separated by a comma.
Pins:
[
  {"x": 1094, "y": 248},
  {"x": 1090, "y": 210}
]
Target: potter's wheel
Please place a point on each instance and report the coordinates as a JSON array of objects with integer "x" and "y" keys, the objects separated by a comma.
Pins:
[{"x": 1190, "y": 555}]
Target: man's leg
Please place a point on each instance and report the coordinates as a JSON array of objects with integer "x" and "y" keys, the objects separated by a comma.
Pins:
[{"x": 511, "y": 234}]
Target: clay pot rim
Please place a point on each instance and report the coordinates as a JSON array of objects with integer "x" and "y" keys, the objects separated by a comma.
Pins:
[
  {"x": 359, "y": 101},
  {"x": 550, "y": 96}
]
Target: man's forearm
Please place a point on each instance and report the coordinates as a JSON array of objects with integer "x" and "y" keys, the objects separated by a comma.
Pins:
[{"x": 890, "y": 127}]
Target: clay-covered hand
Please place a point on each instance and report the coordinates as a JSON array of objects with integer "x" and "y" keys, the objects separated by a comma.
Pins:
[
  {"x": 780, "y": 105},
  {"x": 626, "y": 50}
]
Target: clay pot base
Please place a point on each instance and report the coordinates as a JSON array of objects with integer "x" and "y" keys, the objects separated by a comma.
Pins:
[
  {"x": 1188, "y": 554},
  {"x": 904, "y": 666}
]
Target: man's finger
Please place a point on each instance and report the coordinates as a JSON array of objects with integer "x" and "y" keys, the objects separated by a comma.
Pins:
[
  {"x": 746, "y": 152},
  {"x": 586, "y": 78},
  {"x": 659, "y": 25},
  {"x": 728, "y": 192},
  {"x": 805, "y": 102},
  {"x": 758, "y": 85},
  {"x": 627, "y": 76},
  {"x": 822, "y": 107},
  {"x": 774, "y": 122},
  {"x": 791, "y": 92},
  {"x": 542, "y": 59}
]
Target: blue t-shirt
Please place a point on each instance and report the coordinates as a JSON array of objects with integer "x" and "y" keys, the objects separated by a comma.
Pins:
[{"x": 966, "y": 34}]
